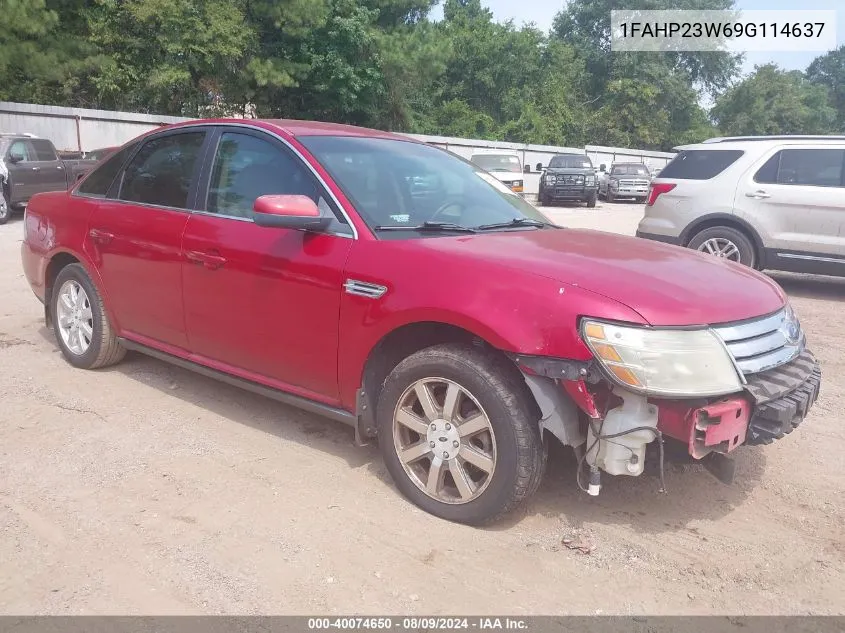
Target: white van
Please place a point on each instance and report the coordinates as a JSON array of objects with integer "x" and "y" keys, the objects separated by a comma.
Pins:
[{"x": 504, "y": 165}]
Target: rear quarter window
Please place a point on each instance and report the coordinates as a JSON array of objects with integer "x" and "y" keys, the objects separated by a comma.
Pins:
[
  {"x": 98, "y": 182},
  {"x": 700, "y": 164}
]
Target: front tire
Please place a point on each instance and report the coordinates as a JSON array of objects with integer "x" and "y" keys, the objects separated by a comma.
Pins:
[
  {"x": 80, "y": 322},
  {"x": 609, "y": 195},
  {"x": 727, "y": 243},
  {"x": 591, "y": 201},
  {"x": 457, "y": 434}
]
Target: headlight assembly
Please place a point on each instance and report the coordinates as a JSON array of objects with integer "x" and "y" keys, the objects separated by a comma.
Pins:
[{"x": 663, "y": 362}]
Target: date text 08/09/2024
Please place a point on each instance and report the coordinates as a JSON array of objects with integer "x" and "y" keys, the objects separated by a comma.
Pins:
[{"x": 418, "y": 623}]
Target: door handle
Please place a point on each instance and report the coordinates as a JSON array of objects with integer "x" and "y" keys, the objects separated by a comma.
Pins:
[
  {"x": 757, "y": 195},
  {"x": 59, "y": 167},
  {"x": 36, "y": 169},
  {"x": 100, "y": 237},
  {"x": 210, "y": 260}
]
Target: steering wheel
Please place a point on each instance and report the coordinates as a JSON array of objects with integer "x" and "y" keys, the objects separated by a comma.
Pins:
[{"x": 451, "y": 201}]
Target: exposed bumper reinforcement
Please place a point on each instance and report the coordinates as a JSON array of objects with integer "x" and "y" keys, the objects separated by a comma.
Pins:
[{"x": 782, "y": 396}]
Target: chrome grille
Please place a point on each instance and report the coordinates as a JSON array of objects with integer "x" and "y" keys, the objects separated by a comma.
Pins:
[
  {"x": 763, "y": 343},
  {"x": 567, "y": 179},
  {"x": 633, "y": 183}
]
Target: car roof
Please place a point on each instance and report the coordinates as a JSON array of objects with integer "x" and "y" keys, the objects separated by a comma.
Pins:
[
  {"x": 744, "y": 142},
  {"x": 299, "y": 128}
]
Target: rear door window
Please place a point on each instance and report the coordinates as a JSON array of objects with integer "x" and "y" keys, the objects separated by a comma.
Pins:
[
  {"x": 44, "y": 150},
  {"x": 700, "y": 164},
  {"x": 809, "y": 167},
  {"x": 163, "y": 170}
]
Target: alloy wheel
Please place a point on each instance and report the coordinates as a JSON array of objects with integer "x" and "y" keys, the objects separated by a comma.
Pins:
[
  {"x": 75, "y": 318},
  {"x": 721, "y": 247},
  {"x": 444, "y": 440}
]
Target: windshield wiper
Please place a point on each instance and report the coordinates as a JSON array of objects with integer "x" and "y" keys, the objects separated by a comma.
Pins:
[
  {"x": 512, "y": 223},
  {"x": 428, "y": 226}
]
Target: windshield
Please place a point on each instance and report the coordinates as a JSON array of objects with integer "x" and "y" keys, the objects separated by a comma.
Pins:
[
  {"x": 394, "y": 183},
  {"x": 497, "y": 162},
  {"x": 571, "y": 162},
  {"x": 629, "y": 170}
]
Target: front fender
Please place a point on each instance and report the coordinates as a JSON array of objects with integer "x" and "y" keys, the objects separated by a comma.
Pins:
[{"x": 514, "y": 311}]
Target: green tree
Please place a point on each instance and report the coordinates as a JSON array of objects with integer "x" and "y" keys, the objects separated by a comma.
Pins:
[
  {"x": 586, "y": 25},
  {"x": 556, "y": 110},
  {"x": 829, "y": 70},
  {"x": 775, "y": 101},
  {"x": 341, "y": 78},
  {"x": 413, "y": 60},
  {"x": 38, "y": 59},
  {"x": 188, "y": 56}
]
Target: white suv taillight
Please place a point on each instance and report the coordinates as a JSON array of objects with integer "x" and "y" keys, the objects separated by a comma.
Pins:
[{"x": 656, "y": 189}]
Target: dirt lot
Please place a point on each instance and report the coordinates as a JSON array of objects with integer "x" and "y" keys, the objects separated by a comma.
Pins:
[{"x": 145, "y": 489}]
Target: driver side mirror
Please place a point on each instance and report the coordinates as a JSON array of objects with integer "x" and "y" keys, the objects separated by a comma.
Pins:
[
  {"x": 602, "y": 167},
  {"x": 15, "y": 157},
  {"x": 539, "y": 166},
  {"x": 289, "y": 212},
  {"x": 526, "y": 169}
]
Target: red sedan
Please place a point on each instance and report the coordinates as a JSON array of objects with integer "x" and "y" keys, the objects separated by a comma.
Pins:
[{"x": 393, "y": 286}]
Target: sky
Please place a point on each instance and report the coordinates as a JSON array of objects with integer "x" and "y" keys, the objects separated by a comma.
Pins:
[{"x": 542, "y": 12}]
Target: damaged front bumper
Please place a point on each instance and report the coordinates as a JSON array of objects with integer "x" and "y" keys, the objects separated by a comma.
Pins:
[
  {"x": 773, "y": 404},
  {"x": 619, "y": 423}
]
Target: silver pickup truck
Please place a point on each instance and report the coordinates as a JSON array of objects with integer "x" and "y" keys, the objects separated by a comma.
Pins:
[
  {"x": 624, "y": 180},
  {"x": 30, "y": 165}
]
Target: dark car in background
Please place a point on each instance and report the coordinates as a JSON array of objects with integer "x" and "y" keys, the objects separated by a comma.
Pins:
[
  {"x": 568, "y": 178},
  {"x": 31, "y": 165}
]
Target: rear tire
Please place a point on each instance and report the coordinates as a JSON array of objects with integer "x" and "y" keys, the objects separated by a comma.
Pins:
[
  {"x": 725, "y": 242},
  {"x": 81, "y": 325},
  {"x": 499, "y": 464}
]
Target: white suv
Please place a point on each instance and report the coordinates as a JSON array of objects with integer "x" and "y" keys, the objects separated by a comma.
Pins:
[{"x": 770, "y": 202}]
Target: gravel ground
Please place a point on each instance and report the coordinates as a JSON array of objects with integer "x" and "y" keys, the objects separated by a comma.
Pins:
[{"x": 146, "y": 489}]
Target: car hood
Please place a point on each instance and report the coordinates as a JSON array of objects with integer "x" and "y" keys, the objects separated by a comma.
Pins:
[{"x": 667, "y": 285}]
